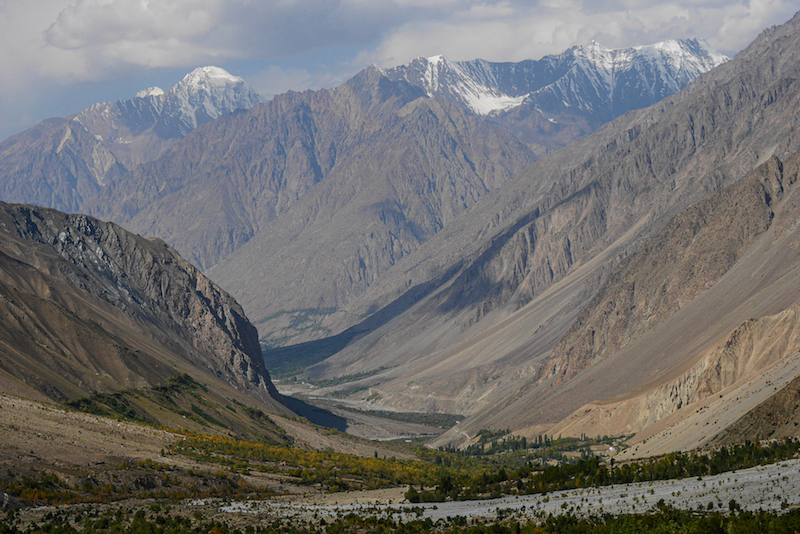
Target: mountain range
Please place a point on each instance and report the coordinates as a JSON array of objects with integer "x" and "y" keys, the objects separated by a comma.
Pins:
[
  {"x": 515, "y": 331},
  {"x": 551, "y": 101},
  {"x": 478, "y": 238},
  {"x": 311, "y": 171}
]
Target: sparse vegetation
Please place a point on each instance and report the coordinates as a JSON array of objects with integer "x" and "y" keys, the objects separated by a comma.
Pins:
[
  {"x": 537, "y": 477},
  {"x": 122, "y": 403},
  {"x": 442, "y": 420},
  {"x": 187, "y": 399},
  {"x": 344, "y": 393},
  {"x": 147, "y": 479},
  {"x": 329, "y": 382},
  {"x": 328, "y": 470}
]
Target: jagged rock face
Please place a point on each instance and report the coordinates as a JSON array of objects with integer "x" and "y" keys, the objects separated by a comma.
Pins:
[
  {"x": 148, "y": 282},
  {"x": 58, "y": 164}
]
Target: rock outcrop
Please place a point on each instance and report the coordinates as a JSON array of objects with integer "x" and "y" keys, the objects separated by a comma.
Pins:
[{"x": 79, "y": 258}]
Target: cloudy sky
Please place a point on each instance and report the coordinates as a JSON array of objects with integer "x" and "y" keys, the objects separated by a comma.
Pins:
[{"x": 60, "y": 56}]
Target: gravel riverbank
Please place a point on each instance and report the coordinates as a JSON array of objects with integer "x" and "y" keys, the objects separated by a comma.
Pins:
[{"x": 772, "y": 487}]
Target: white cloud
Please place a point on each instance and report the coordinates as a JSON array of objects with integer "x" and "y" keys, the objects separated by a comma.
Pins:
[
  {"x": 96, "y": 40},
  {"x": 275, "y": 80},
  {"x": 99, "y": 39},
  {"x": 514, "y": 31},
  {"x": 92, "y": 23}
]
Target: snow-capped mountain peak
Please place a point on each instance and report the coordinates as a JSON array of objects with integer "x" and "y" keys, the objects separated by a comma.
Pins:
[
  {"x": 140, "y": 129},
  {"x": 206, "y": 93},
  {"x": 590, "y": 77},
  {"x": 206, "y": 78}
]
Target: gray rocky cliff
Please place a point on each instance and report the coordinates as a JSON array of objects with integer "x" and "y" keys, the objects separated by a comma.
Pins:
[{"x": 149, "y": 281}]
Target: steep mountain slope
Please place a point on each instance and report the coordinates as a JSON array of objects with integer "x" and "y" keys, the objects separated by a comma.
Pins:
[
  {"x": 731, "y": 325},
  {"x": 336, "y": 184},
  {"x": 695, "y": 250},
  {"x": 551, "y": 101},
  {"x": 527, "y": 258},
  {"x": 89, "y": 307},
  {"x": 58, "y": 164}
]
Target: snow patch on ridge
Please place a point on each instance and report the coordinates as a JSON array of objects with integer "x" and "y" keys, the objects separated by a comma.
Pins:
[
  {"x": 489, "y": 103},
  {"x": 438, "y": 74}
]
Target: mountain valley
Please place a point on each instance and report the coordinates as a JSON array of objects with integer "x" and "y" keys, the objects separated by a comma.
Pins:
[
  {"x": 451, "y": 256},
  {"x": 526, "y": 266}
]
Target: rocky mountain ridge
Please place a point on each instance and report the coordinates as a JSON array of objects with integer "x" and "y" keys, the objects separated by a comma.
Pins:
[
  {"x": 551, "y": 101},
  {"x": 141, "y": 129},
  {"x": 57, "y": 164},
  {"x": 106, "y": 309},
  {"x": 316, "y": 194}
]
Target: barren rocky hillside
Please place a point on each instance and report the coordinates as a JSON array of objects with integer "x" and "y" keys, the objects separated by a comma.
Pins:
[
  {"x": 57, "y": 164},
  {"x": 695, "y": 250},
  {"x": 91, "y": 307},
  {"x": 712, "y": 350}
]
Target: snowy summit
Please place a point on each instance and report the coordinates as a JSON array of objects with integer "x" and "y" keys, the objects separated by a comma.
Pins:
[{"x": 587, "y": 78}]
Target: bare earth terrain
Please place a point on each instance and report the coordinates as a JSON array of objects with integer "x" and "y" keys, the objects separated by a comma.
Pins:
[
  {"x": 40, "y": 437},
  {"x": 41, "y": 433}
]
